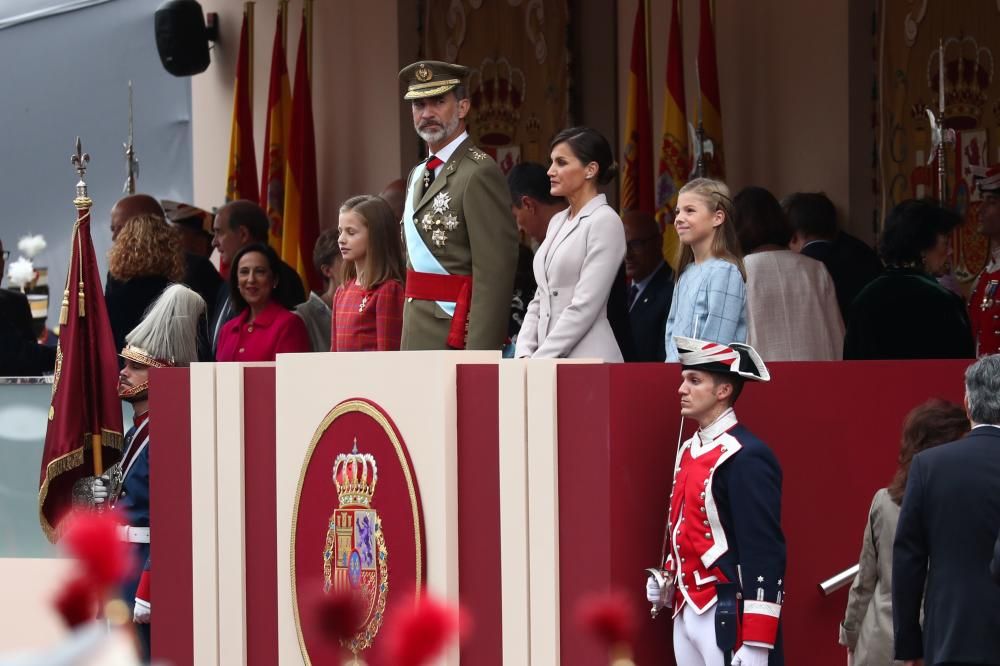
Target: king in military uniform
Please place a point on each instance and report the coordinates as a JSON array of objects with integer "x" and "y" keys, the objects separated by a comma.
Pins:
[
  {"x": 166, "y": 337},
  {"x": 461, "y": 240},
  {"x": 724, "y": 551},
  {"x": 984, "y": 304}
]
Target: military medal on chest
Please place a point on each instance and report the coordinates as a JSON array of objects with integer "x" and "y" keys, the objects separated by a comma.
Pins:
[
  {"x": 989, "y": 295},
  {"x": 440, "y": 219}
]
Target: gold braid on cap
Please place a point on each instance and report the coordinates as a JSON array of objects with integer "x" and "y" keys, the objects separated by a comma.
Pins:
[{"x": 143, "y": 357}]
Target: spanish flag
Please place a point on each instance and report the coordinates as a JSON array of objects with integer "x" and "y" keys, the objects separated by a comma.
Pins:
[
  {"x": 675, "y": 155},
  {"x": 637, "y": 169},
  {"x": 241, "y": 182},
  {"x": 301, "y": 222},
  {"x": 708, "y": 82},
  {"x": 279, "y": 106}
]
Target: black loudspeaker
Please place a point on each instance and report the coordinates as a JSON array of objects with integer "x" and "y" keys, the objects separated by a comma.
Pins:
[{"x": 182, "y": 36}]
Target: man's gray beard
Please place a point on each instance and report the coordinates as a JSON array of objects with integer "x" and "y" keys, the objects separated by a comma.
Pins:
[{"x": 436, "y": 136}]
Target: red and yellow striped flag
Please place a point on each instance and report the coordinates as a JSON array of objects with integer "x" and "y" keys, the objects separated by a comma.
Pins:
[
  {"x": 279, "y": 104},
  {"x": 241, "y": 182},
  {"x": 301, "y": 221},
  {"x": 675, "y": 155},
  {"x": 637, "y": 167},
  {"x": 708, "y": 82}
]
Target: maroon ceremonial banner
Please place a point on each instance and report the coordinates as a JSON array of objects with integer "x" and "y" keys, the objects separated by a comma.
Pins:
[{"x": 85, "y": 405}]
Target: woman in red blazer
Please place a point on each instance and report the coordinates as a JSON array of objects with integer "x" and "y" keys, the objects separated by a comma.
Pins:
[{"x": 264, "y": 328}]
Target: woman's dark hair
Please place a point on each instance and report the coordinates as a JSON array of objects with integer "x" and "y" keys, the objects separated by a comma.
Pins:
[
  {"x": 530, "y": 179},
  {"x": 589, "y": 145},
  {"x": 760, "y": 220},
  {"x": 911, "y": 229},
  {"x": 273, "y": 262},
  {"x": 931, "y": 424},
  {"x": 812, "y": 214}
]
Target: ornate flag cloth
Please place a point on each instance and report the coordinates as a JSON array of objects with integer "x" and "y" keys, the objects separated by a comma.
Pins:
[
  {"x": 909, "y": 84},
  {"x": 637, "y": 162},
  {"x": 301, "y": 221},
  {"x": 519, "y": 85},
  {"x": 279, "y": 104},
  {"x": 85, "y": 403},
  {"x": 675, "y": 155},
  {"x": 241, "y": 181},
  {"x": 708, "y": 84}
]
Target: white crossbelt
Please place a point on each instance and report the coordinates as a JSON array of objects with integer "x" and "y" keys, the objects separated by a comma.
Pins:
[{"x": 133, "y": 534}]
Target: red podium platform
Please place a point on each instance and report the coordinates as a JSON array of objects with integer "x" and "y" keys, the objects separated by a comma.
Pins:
[{"x": 560, "y": 474}]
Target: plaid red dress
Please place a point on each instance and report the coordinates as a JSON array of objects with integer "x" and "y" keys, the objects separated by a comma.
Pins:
[{"x": 367, "y": 319}]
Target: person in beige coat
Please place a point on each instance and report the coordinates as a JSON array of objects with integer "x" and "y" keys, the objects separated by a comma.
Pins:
[
  {"x": 867, "y": 630},
  {"x": 576, "y": 265}
]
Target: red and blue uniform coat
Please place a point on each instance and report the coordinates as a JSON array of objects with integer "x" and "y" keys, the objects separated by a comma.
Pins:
[
  {"x": 984, "y": 311},
  {"x": 725, "y": 526}
]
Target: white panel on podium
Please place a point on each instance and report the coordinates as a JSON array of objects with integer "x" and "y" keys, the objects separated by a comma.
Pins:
[
  {"x": 204, "y": 527},
  {"x": 543, "y": 494},
  {"x": 418, "y": 391},
  {"x": 231, "y": 521},
  {"x": 514, "y": 512}
]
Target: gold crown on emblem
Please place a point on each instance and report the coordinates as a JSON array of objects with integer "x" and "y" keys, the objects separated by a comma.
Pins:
[
  {"x": 968, "y": 74},
  {"x": 496, "y": 90},
  {"x": 355, "y": 476}
]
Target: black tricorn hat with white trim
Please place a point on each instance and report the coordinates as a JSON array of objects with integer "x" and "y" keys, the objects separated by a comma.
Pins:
[{"x": 733, "y": 359}]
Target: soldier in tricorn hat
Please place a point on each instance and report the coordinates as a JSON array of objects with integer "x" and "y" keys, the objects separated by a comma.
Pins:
[
  {"x": 723, "y": 564},
  {"x": 460, "y": 236}
]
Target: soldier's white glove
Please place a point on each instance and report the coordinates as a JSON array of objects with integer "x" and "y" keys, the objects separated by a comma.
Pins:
[
  {"x": 90, "y": 492},
  {"x": 751, "y": 655},
  {"x": 142, "y": 612},
  {"x": 654, "y": 594}
]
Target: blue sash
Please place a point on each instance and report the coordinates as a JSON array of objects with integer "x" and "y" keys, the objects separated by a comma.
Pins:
[{"x": 421, "y": 257}]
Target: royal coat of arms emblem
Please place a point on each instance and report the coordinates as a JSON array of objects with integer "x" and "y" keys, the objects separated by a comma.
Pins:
[{"x": 355, "y": 557}]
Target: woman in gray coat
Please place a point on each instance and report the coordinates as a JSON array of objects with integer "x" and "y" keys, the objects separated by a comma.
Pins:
[
  {"x": 576, "y": 265},
  {"x": 866, "y": 631}
]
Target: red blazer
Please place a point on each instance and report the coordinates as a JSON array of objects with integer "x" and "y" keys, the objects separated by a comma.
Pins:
[{"x": 274, "y": 331}]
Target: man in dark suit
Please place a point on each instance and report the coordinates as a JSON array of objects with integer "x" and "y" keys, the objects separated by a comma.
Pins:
[
  {"x": 236, "y": 225},
  {"x": 944, "y": 540},
  {"x": 652, "y": 285},
  {"x": 20, "y": 353},
  {"x": 852, "y": 262}
]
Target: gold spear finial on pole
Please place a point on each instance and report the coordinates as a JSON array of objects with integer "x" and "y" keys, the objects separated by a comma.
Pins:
[{"x": 80, "y": 160}]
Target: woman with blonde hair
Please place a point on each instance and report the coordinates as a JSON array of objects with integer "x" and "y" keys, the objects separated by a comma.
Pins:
[
  {"x": 145, "y": 258},
  {"x": 709, "y": 301}
]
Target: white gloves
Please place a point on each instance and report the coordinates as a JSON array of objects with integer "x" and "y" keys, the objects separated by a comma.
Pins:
[
  {"x": 142, "y": 612},
  {"x": 653, "y": 592},
  {"x": 751, "y": 655},
  {"x": 100, "y": 491}
]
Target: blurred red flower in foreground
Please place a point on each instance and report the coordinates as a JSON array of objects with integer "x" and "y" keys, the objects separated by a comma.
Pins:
[
  {"x": 609, "y": 617},
  {"x": 420, "y": 632},
  {"x": 92, "y": 538}
]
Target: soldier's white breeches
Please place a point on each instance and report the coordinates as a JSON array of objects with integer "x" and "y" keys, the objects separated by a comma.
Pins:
[{"x": 694, "y": 638}]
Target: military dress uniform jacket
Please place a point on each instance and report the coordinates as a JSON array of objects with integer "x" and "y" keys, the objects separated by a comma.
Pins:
[
  {"x": 984, "y": 311},
  {"x": 465, "y": 221},
  {"x": 725, "y": 526}
]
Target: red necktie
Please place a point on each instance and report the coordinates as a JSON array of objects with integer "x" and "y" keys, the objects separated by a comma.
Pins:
[{"x": 433, "y": 163}]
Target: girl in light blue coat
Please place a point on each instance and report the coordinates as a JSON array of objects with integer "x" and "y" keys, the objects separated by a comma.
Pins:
[{"x": 710, "y": 296}]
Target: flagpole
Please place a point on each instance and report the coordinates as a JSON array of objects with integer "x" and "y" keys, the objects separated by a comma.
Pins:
[
  {"x": 283, "y": 8},
  {"x": 248, "y": 11},
  {"x": 308, "y": 9},
  {"x": 83, "y": 204}
]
